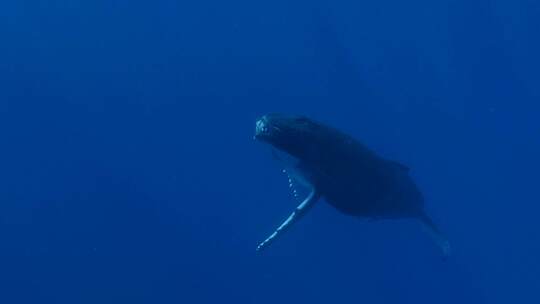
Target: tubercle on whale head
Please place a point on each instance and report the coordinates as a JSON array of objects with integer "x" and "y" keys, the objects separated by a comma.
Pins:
[
  {"x": 289, "y": 133},
  {"x": 261, "y": 129},
  {"x": 272, "y": 128}
]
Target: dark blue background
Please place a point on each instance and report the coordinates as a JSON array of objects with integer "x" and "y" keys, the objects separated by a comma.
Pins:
[{"x": 128, "y": 173}]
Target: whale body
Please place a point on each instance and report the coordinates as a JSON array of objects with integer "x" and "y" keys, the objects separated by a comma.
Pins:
[{"x": 340, "y": 170}]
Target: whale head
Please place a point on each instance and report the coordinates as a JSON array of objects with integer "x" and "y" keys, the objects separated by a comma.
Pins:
[{"x": 289, "y": 133}]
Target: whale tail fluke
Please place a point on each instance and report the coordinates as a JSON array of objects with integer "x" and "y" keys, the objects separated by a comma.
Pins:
[{"x": 439, "y": 238}]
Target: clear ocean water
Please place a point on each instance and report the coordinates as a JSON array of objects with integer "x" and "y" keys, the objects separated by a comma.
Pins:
[{"x": 129, "y": 173}]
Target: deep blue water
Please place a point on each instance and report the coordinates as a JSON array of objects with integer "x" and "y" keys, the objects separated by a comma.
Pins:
[{"x": 129, "y": 174}]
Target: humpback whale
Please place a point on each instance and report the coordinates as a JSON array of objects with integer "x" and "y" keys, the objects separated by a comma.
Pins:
[{"x": 340, "y": 170}]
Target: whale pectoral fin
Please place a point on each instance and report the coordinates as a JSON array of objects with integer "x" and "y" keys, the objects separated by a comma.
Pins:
[
  {"x": 295, "y": 216},
  {"x": 437, "y": 236}
]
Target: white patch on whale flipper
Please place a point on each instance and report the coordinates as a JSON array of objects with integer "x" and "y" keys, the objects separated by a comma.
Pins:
[
  {"x": 295, "y": 216},
  {"x": 299, "y": 185},
  {"x": 298, "y": 182},
  {"x": 440, "y": 239}
]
